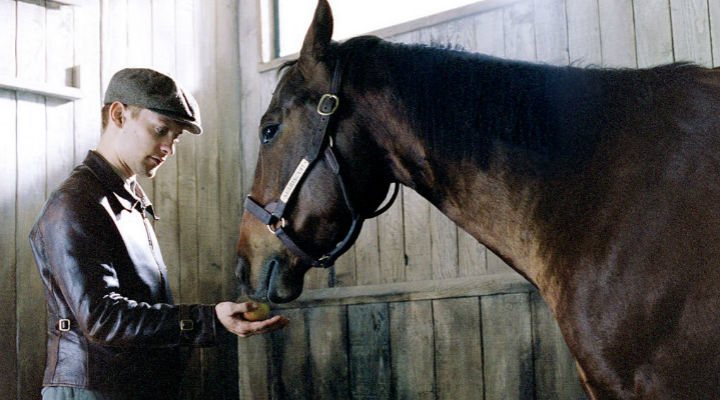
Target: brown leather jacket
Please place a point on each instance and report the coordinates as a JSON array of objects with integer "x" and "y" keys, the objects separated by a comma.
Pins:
[{"x": 112, "y": 325}]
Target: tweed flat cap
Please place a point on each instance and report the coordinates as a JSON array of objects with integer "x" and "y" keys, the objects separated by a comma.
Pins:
[{"x": 155, "y": 91}]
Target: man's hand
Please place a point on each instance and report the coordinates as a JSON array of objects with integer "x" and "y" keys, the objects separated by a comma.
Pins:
[{"x": 230, "y": 315}]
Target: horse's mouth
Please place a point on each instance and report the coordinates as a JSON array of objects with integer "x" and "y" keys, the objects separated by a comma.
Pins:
[{"x": 276, "y": 283}]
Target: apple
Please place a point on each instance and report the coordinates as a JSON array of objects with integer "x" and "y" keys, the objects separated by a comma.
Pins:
[{"x": 260, "y": 313}]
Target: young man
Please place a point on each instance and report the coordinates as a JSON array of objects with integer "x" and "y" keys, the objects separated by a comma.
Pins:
[{"x": 113, "y": 330}]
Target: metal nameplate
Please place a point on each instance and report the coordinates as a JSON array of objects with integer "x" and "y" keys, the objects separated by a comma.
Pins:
[{"x": 294, "y": 180}]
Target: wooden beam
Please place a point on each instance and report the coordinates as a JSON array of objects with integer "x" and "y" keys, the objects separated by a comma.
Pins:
[
  {"x": 41, "y": 88},
  {"x": 67, "y": 2},
  {"x": 419, "y": 290}
]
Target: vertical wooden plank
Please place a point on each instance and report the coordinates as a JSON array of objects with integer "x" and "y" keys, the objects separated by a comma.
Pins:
[
  {"x": 458, "y": 348},
  {"x": 8, "y": 193},
  {"x": 31, "y": 181},
  {"x": 584, "y": 32},
  {"x": 59, "y": 113},
  {"x": 391, "y": 242},
  {"x": 490, "y": 33},
  {"x": 551, "y": 35},
  {"x": 496, "y": 265},
  {"x": 472, "y": 255},
  {"x": 327, "y": 328},
  {"x": 507, "y": 338},
  {"x": 653, "y": 33},
  {"x": 555, "y": 373},
  {"x": 8, "y": 26},
  {"x": 140, "y": 37},
  {"x": 207, "y": 154},
  {"x": 617, "y": 33},
  {"x": 250, "y": 87},
  {"x": 367, "y": 255},
  {"x": 691, "y": 31},
  {"x": 209, "y": 222},
  {"x": 444, "y": 242},
  {"x": 166, "y": 185},
  {"x": 289, "y": 371},
  {"x": 423, "y": 36},
  {"x": 714, "y": 10},
  {"x": 87, "y": 57},
  {"x": 418, "y": 248},
  {"x": 411, "y": 340},
  {"x": 230, "y": 199},
  {"x": 346, "y": 266},
  {"x": 253, "y": 366},
  {"x": 369, "y": 332},
  {"x": 8, "y": 196},
  {"x": 317, "y": 278},
  {"x": 519, "y": 31},
  {"x": 461, "y": 33},
  {"x": 114, "y": 38}
]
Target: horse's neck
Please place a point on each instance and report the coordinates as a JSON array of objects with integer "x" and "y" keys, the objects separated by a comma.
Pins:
[
  {"x": 495, "y": 207},
  {"x": 468, "y": 174}
]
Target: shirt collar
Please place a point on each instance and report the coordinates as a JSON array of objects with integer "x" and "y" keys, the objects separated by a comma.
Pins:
[{"x": 104, "y": 171}]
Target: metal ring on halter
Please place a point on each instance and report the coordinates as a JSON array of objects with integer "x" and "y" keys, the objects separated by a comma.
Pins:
[{"x": 273, "y": 228}]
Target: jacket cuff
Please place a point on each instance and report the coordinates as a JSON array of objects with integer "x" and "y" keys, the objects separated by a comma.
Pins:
[{"x": 198, "y": 325}]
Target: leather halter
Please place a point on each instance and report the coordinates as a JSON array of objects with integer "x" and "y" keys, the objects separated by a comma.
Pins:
[{"x": 272, "y": 215}]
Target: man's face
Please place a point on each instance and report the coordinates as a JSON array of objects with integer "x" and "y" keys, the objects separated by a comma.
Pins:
[{"x": 149, "y": 139}]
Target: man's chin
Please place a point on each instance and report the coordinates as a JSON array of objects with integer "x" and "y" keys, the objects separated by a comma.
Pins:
[{"x": 152, "y": 171}]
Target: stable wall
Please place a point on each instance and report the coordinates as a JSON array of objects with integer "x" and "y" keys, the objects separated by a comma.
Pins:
[
  {"x": 46, "y": 49},
  {"x": 417, "y": 308},
  {"x": 404, "y": 296}
]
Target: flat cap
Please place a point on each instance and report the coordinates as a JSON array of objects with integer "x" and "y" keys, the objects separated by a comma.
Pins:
[{"x": 157, "y": 92}]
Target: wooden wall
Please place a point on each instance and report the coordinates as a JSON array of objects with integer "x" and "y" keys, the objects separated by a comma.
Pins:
[
  {"x": 197, "y": 193},
  {"x": 406, "y": 317},
  {"x": 404, "y": 296}
]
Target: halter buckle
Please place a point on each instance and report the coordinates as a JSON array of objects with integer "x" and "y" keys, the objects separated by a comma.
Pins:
[{"x": 328, "y": 109}]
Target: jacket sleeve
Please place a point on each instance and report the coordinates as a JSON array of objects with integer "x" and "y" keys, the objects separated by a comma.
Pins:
[{"x": 79, "y": 253}]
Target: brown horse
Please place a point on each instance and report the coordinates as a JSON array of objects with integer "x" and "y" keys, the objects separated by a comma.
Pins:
[{"x": 601, "y": 187}]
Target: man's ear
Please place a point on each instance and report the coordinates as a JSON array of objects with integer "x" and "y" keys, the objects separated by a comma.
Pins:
[{"x": 116, "y": 113}]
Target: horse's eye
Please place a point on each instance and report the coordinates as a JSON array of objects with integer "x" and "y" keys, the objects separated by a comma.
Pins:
[{"x": 267, "y": 133}]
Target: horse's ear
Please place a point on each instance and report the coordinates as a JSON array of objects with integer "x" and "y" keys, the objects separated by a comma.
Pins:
[{"x": 318, "y": 35}]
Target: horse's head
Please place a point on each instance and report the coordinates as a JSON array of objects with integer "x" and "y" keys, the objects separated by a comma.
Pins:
[{"x": 318, "y": 173}]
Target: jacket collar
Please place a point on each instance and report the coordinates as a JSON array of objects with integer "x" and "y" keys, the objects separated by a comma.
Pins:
[{"x": 105, "y": 173}]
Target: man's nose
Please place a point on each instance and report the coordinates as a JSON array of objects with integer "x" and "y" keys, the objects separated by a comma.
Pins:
[{"x": 167, "y": 149}]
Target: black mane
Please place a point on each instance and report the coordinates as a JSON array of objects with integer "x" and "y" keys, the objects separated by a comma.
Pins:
[{"x": 463, "y": 104}]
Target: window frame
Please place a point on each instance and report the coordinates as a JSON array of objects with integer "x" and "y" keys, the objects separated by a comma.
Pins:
[{"x": 388, "y": 32}]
